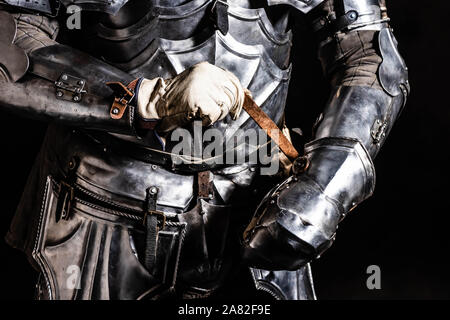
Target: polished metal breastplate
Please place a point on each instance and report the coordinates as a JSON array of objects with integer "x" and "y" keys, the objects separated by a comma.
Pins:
[
  {"x": 167, "y": 40},
  {"x": 171, "y": 38}
]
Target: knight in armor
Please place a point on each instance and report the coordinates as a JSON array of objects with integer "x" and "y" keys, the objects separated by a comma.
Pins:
[{"x": 109, "y": 213}]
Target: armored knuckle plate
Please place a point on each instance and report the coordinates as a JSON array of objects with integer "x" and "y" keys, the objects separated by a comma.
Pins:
[
  {"x": 393, "y": 73},
  {"x": 13, "y": 60},
  {"x": 304, "y": 6}
]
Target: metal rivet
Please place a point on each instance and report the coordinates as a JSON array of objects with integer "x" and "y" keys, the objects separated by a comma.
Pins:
[
  {"x": 64, "y": 77},
  {"x": 252, "y": 169},
  {"x": 76, "y": 98},
  {"x": 59, "y": 93},
  {"x": 115, "y": 111},
  {"x": 81, "y": 82},
  {"x": 153, "y": 190},
  {"x": 211, "y": 196},
  {"x": 154, "y": 167},
  {"x": 72, "y": 164},
  {"x": 352, "y": 15}
]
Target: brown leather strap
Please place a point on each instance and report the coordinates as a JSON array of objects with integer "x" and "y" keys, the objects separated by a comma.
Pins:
[
  {"x": 123, "y": 95},
  {"x": 204, "y": 186},
  {"x": 263, "y": 120}
]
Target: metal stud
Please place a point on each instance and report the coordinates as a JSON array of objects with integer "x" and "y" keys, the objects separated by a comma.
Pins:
[{"x": 153, "y": 190}]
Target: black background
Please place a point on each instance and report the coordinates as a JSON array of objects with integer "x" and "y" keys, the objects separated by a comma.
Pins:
[{"x": 403, "y": 228}]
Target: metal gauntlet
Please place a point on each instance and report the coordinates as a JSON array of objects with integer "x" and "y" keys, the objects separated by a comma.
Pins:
[{"x": 302, "y": 213}]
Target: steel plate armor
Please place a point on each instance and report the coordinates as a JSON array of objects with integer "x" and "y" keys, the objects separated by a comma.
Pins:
[{"x": 106, "y": 200}]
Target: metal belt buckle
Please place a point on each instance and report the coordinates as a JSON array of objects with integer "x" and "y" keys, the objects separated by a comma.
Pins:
[{"x": 159, "y": 215}]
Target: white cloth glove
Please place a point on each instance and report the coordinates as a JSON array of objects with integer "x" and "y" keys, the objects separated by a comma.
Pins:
[{"x": 203, "y": 91}]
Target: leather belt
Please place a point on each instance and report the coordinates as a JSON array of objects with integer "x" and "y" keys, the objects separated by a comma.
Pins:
[{"x": 154, "y": 156}]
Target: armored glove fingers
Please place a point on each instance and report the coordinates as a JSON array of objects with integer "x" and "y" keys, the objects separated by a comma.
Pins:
[{"x": 203, "y": 91}]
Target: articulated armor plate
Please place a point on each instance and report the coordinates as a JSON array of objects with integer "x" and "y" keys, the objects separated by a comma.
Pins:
[
  {"x": 290, "y": 210},
  {"x": 303, "y": 5},
  {"x": 348, "y": 15}
]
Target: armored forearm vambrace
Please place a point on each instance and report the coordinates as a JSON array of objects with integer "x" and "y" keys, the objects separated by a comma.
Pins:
[
  {"x": 297, "y": 220},
  {"x": 47, "y": 81}
]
